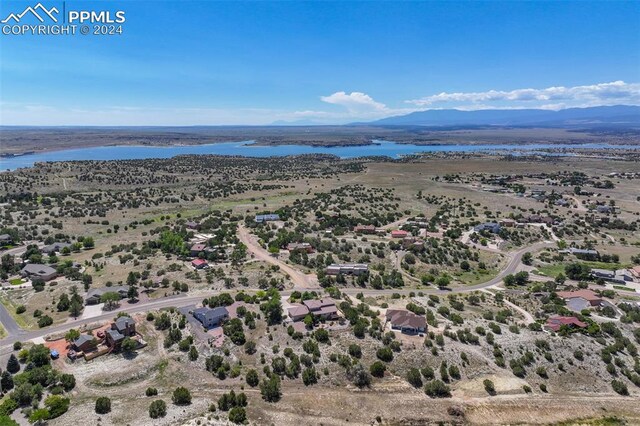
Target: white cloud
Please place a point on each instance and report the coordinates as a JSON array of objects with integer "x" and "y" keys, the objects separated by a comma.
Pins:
[
  {"x": 355, "y": 102},
  {"x": 616, "y": 92}
]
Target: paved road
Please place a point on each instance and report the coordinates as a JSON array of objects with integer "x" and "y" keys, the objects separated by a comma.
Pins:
[
  {"x": 9, "y": 324},
  {"x": 299, "y": 279}
]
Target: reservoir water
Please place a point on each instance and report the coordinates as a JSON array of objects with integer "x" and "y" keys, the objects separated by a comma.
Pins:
[{"x": 248, "y": 149}]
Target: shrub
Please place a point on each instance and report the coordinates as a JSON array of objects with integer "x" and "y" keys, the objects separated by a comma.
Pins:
[
  {"x": 151, "y": 391},
  {"x": 489, "y": 387},
  {"x": 437, "y": 389},
  {"x": 270, "y": 389},
  {"x": 238, "y": 415},
  {"x": 157, "y": 408},
  {"x": 620, "y": 387},
  {"x": 385, "y": 354},
  {"x": 103, "y": 405},
  {"x": 181, "y": 396},
  {"x": 377, "y": 369},
  {"x": 252, "y": 378},
  {"x": 414, "y": 378}
]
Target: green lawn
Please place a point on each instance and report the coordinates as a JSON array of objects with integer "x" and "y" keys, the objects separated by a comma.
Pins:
[
  {"x": 554, "y": 269},
  {"x": 15, "y": 281}
]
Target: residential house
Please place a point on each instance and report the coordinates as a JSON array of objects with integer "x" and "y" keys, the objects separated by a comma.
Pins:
[
  {"x": 556, "y": 321},
  {"x": 582, "y": 252},
  {"x": 192, "y": 225},
  {"x": 55, "y": 248},
  {"x": 406, "y": 321},
  {"x": 399, "y": 234},
  {"x": 322, "y": 308},
  {"x": 346, "y": 269},
  {"x": 261, "y": 218},
  {"x": 580, "y": 299},
  {"x": 199, "y": 263},
  {"x": 84, "y": 343},
  {"x": 619, "y": 276},
  {"x": 364, "y": 229},
  {"x": 297, "y": 313},
  {"x": 196, "y": 249},
  {"x": 507, "y": 223},
  {"x": 38, "y": 271},
  {"x": 605, "y": 209},
  {"x": 95, "y": 294},
  {"x": 536, "y": 218},
  {"x": 122, "y": 327},
  {"x": 6, "y": 239},
  {"x": 300, "y": 247},
  {"x": 488, "y": 226},
  {"x": 211, "y": 317}
]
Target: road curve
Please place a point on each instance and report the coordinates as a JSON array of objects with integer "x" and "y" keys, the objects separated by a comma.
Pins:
[{"x": 299, "y": 279}]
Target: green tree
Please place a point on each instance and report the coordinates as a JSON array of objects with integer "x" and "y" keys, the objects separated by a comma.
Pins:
[
  {"x": 13, "y": 366},
  {"x": 377, "y": 369},
  {"x": 57, "y": 405},
  {"x": 181, "y": 396},
  {"x": 238, "y": 415},
  {"x": 129, "y": 345},
  {"x": 252, "y": 378},
  {"x": 38, "y": 416},
  {"x": 270, "y": 389},
  {"x": 157, "y": 408},
  {"x": 110, "y": 299},
  {"x": 103, "y": 405}
]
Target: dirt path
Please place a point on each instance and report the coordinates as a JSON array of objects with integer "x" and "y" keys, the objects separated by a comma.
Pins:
[
  {"x": 299, "y": 279},
  {"x": 528, "y": 318}
]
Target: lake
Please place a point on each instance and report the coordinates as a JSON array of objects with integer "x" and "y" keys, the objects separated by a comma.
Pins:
[{"x": 248, "y": 149}]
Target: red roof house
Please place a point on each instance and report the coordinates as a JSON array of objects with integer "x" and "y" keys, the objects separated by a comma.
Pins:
[
  {"x": 199, "y": 263},
  {"x": 399, "y": 234},
  {"x": 555, "y": 322},
  {"x": 588, "y": 295}
]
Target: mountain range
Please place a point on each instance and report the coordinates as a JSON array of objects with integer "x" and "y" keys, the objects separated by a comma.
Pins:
[{"x": 600, "y": 115}]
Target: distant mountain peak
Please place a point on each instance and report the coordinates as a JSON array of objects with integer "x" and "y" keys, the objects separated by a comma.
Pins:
[{"x": 617, "y": 114}]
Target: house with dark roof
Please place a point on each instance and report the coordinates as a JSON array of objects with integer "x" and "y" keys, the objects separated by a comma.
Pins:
[
  {"x": 406, "y": 321},
  {"x": 620, "y": 276},
  {"x": 121, "y": 328},
  {"x": 488, "y": 226},
  {"x": 95, "y": 294},
  {"x": 192, "y": 225},
  {"x": 196, "y": 249},
  {"x": 84, "y": 343},
  {"x": 37, "y": 270},
  {"x": 211, "y": 317},
  {"x": 55, "y": 248},
  {"x": 555, "y": 322}
]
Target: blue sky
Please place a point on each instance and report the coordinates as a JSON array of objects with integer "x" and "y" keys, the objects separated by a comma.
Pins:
[{"x": 197, "y": 62}]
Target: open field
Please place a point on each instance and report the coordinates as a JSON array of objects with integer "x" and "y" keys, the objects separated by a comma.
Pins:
[{"x": 134, "y": 225}]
